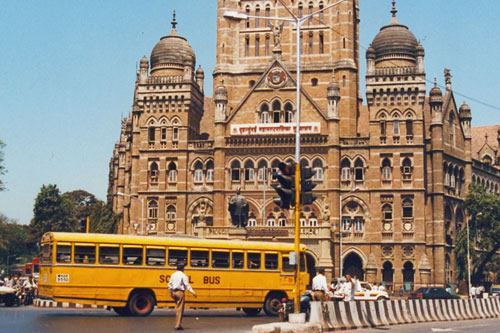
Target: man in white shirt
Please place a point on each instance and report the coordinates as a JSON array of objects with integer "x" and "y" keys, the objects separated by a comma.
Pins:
[
  {"x": 177, "y": 285},
  {"x": 319, "y": 286}
]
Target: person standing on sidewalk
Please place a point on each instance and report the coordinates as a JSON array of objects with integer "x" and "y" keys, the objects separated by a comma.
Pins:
[{"x": 177, "y": 286}]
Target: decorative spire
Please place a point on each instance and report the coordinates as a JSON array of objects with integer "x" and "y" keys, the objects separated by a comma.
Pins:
[
  {"x": 174, "y": 23},
  {"x": 394, "y": 11}
]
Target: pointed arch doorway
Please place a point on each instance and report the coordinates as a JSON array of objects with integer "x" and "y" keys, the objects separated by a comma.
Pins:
[{"x": 353, "y": 266}]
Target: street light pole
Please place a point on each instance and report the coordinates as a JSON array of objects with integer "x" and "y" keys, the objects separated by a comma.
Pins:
[
  {"x": 298, "y": 21},
  {"x": 142, "y": 207}
]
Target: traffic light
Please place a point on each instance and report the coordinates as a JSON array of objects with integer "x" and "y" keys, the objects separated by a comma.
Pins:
[
  {"x": 306, "y": 185},
  {"x": 286, "y": 186}
]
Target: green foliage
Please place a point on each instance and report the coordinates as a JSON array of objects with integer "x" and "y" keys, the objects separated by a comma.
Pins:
[
  {"x": 12, "y": 241},
  {"x": 484, "y": 229},
  {"x": 2, "y": 167},
  {"x": 52, "y": 212}
]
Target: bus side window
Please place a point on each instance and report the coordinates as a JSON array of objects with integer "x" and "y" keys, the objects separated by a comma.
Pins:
[
  {"x": 132, "y": 256},
  {"x": 286, "y": 264},
  {"x": 177, "y": 256},
  {"x": 271, "y": 261},
  {"x": 109, "y": 254},
  {"x": 155, "y": 257},
  {"x": 199, "y": 258},
  {"x": 238, "y": 260},
  {"x": 220, "y": 259},
  {"x": 84, "y": 254},
  {"x": 253, "y": 260},
  {"x": 63, "y": 253}
]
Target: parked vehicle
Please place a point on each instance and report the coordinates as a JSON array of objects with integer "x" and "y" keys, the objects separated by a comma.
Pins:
[
  {"x": 366, "y": 293},
  {"x": 432, "y": 293},
  {"x": 495, "y": 290},
  {"x": 7, "y": 296}
]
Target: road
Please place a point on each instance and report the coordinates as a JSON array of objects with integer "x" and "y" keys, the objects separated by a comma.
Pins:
[{"x": 32, "y": 319}]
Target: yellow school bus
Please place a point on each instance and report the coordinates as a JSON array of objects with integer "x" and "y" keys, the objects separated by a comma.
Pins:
[{"x": 131, "y": 273}]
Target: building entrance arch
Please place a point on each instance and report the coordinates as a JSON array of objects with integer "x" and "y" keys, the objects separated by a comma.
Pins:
[{"x": 353, "y": 266}]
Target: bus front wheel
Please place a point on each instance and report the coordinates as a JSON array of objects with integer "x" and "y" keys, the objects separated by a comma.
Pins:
[
  {"x": 251, "y": 312},
  {"x": 272, "y": 304},
  {"x": 141, "y": 304}
]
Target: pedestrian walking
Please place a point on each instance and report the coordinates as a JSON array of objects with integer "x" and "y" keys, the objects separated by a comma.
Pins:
[
  {"x": 177, "y": 287},
  {"x": 319, "y": 286}
]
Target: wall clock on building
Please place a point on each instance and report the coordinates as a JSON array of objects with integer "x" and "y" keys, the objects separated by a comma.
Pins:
[{"x": 276, "y": 77}]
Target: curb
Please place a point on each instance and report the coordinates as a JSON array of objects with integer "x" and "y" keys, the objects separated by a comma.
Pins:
[
  {"x": 43, "y": 303},
  {"x": 287, "y": 328}
]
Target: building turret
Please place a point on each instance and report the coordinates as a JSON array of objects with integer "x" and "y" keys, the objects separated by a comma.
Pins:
[
  {"x": 465, "y": 119},
  {"x": 333, "y": 96},
  {"x": 200, "y": 76},
  {"x": 220, "y": 99},
  {"x": 142, "y": 74},
  {"x": 436, "y": 103}
]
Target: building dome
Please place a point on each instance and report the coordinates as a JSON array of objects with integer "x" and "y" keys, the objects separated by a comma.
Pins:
[
  {"x": 395, "y": 42},
  {"x": 172, "y": 52}
]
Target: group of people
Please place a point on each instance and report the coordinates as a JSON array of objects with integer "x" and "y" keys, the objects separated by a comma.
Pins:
[
  {"x": 26, "y": 287},
  {"x": 349, "y": 285},
  {"x": 477, "y": 291}
]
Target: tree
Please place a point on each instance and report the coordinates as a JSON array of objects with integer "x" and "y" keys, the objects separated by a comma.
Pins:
[
  {"x": 484, "y": 229},
  {"x": 84, "y": 204},
  {"x": 52, "y": 212},
  {"x": 12, "y": 242},
  {"x": 2, "y": 168}
]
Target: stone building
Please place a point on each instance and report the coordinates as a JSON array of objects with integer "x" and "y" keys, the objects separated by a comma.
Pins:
[{"x": 391, "y": 174}]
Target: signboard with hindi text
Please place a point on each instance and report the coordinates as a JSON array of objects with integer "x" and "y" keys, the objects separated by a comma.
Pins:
[{"x": 274, "y": 129}]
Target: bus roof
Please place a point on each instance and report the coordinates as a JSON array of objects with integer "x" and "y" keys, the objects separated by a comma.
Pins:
[{"x": 172, "y": 240}]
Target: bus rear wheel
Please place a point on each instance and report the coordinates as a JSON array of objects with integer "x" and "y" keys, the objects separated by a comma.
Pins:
[
  {"x": 272, "y": 304},
  {"x": 141, "y": 304},
  {"x": 251, "y": 312}
]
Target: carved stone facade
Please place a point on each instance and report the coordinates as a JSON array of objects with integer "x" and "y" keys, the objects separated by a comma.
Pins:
[{"x": 401, "y": 163}]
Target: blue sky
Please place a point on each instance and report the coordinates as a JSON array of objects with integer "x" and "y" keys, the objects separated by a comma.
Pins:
[{"x": 68, "y": 71}]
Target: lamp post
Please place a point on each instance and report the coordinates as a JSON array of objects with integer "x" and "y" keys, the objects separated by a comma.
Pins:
[
  {"x": 341, "y": 231},
  {"x": 297, "y": 21},
  {"x": 142, "y": 208}
]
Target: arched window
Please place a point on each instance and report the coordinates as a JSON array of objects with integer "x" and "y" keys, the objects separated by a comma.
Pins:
[
  {"x": 387, "y": 213},
  {"x": 264, "y": 113},
  {"x": 407, "y": 208},
  {"x": 282, "y": 221},
  {"x": 318, "y": 167},
  {"x": 288, "y": 113},
  {"x": 153, "y": 173},
  {"x": 170, "y": 214},
  {"x": 210, "y": 171},
  {"x": 198, "y": 172},
  {"x": 276, "y": 111},
  {"x": 249, "y": 171},
  {"x": 172, "y": 172},
  {"x": 152, "y": 209},
  {"x": 451, "y": 128},
  {"x": 406, "y": 169},
  {"x": 262, "y": 173},
  {"x": 386, "y": 169},
  {"x": 359, "y": 170},
  {"x": 345, "y": 170},
  {"x": 235, "y": 171},
  {"x": 151, "y": 134}
]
